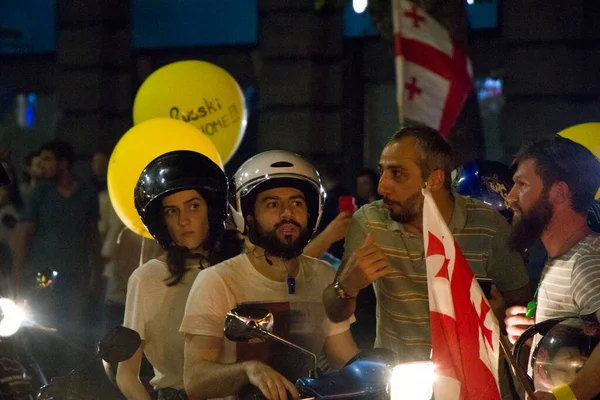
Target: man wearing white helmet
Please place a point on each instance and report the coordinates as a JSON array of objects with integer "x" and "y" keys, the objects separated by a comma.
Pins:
[{"x": 278, "y": 201}]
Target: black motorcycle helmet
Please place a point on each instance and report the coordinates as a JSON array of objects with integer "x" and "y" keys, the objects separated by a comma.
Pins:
[{"x": 173, "y": 172}]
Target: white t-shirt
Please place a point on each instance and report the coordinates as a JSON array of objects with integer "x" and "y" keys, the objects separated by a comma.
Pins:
[
  {"x": 155, "y": 310},
  {"x": 236, "y": 282}
]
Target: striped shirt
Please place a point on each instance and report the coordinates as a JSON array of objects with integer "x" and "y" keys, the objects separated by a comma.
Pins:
[
  {"x": 402, "y": 300},
  {"x": 570, "y": 283}
]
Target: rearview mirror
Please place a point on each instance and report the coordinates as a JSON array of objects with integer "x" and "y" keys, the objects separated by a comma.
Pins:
[
  {"x": 119, "y": 345},
  {"x": 243, "y": 324}
]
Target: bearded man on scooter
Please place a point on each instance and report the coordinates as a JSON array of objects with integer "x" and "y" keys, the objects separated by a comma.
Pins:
[
  {"x": 555, "y": 183},
  {"x": 278, "y": 201}
]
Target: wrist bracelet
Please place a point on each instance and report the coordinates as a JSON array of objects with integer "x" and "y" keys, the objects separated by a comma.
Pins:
[
  {"x": 563, "y": 392},
  {"x": 340, "y": 292}
]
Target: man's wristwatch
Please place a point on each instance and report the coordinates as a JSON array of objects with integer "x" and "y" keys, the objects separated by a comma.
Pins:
[{"x": 340, "y": 292}]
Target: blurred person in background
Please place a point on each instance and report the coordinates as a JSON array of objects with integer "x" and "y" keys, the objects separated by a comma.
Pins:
[
  {"x": 332, "y": 176},
  {"x": 367, "y": 180},
  {"x": 123, "y": 252},
  {"x": 10, "y": 206},
  {"x": 32, "y": 174},
  {"x": 99, "y": 170},
  {"x": 58, "y": 231}
]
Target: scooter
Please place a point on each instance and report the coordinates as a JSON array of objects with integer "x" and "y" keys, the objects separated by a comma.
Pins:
[
  {"x": 368, "y": 375},
  {"x": 20, "y": 372},
  {"x": 117, "y": 346}
]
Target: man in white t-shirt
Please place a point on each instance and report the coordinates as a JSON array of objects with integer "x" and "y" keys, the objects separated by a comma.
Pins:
[{"x": 279, "y": 200}]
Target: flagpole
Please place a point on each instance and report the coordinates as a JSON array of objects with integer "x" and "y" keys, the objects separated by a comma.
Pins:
[
  {"x": 519, "y": 373},
  {"x": 399, "y": 58}
]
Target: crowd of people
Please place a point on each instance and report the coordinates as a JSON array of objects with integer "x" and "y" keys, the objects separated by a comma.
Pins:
[{"x": 274, "y": 236}]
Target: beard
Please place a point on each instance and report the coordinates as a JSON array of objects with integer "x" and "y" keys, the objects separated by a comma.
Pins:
[
  {"x": 287, "y": 247},
  {"x": 528, "y": 226},
  {"x": 410, "y": 210}
]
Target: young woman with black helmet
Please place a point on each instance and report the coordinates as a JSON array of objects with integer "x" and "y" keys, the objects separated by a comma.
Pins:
[{"x": 181, "y": 198}]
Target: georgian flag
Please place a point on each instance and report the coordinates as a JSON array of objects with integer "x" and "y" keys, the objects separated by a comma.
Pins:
[
  {"x": 464, "y": 331},
  {"x": 433, "y": 74}
]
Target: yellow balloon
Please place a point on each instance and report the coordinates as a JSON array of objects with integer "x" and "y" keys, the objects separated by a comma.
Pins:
[
  {"x": 136, "y": 149},
  {"x": 199, "y": 93},
  {"x": 587, "y": 135}
]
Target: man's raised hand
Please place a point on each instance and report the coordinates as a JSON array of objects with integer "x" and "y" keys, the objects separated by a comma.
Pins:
[{"x": 364, "y": 266}]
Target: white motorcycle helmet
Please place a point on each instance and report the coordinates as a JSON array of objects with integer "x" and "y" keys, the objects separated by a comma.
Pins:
[{"x": 277, "y": 168}]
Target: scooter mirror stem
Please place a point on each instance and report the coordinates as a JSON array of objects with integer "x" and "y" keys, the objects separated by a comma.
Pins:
[{"x": 315, "y": 372}]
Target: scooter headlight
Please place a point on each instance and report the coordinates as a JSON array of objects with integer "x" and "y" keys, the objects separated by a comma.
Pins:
[
  {"x": 12, "y": 317},
  {"x": 413, "y": 381}
]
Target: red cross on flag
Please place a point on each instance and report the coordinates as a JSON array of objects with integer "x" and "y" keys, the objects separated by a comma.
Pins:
[
  {"x": 464, "y": 331},
  {"x": 433, "y": 74}
]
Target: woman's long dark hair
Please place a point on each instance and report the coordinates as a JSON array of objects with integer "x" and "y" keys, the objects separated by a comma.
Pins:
[{"x": 228, "y": 245}]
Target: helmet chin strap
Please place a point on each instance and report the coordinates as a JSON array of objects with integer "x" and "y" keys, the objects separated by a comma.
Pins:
[{"x": 291, "y": 280}]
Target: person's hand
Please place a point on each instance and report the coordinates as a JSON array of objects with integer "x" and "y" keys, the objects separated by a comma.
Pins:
[
  {"x": 516, "y": 322},
  {"x": 336, "y": 229},
  {"x": 539, "y": 395},
  {"x": 271, "y": 383},
  {"x": 364, "y": 266}
]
